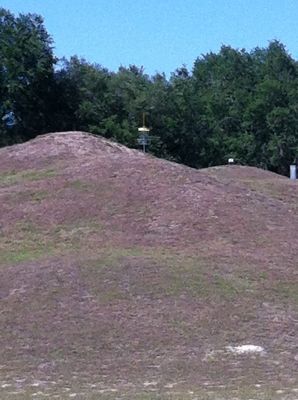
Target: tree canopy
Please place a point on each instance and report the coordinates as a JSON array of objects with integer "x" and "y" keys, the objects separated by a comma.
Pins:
[
  {"x": 233, "y": 103},
  {"x": 27, "y": 77}
]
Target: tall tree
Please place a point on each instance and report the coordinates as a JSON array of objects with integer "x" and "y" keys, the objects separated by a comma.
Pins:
[{"x": 27, "y": 76}]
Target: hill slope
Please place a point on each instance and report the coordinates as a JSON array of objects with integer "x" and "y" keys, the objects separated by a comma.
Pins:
[{"x": 123, "y": 274}]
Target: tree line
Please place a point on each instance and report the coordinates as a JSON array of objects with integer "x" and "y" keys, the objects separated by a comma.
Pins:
[{"x": 234, "y": 103}]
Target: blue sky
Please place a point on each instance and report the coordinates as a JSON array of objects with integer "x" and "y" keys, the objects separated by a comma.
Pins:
[{"x": 161, "y": 35}]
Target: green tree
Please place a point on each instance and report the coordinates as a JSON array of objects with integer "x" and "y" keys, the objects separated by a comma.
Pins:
[
  {"x": 27, "y": 76},
  {"x": 84, "y": 90},
  {"x": 224, "y": 82}
]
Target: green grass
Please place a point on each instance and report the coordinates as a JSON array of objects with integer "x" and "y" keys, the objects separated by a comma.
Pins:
[
  {"x": 163, "y": 273},
  {"x": 13, "y": 177},
  {"x": 24, "y": 254},
  {"x": 23, "y": 243},
  {"x": 81, "y": 185},
  {"x": 287, "y": 291},
  {"x": 35, "y": 196},
  {"x": 26, "y": 241}
]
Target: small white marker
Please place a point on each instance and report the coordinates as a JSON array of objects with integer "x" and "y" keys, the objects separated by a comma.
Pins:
[{"x": 245, "y": 349}]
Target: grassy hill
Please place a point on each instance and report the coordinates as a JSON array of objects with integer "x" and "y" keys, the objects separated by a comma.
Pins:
[{"x": 126, "y": 276}]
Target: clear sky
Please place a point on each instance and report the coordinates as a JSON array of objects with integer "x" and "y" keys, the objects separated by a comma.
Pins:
[{"x": 161, "y": 35}]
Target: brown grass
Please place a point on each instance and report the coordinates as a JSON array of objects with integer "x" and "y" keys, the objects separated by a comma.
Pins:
[{"x": 125, "y": 276}]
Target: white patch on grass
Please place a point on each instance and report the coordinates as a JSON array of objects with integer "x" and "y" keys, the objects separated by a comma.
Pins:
[
  {"x": 107, "y": 390},
  {"x": 20, "y": 380},
  {"x": 154, "y": 383},
  {"x": 170, "y": 385},
  {"x": 246, "y": 349},
  {"x": 5, "y": 385}
]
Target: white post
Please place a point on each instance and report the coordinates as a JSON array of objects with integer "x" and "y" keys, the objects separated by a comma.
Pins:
[{"x": 293, "y": 170}]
